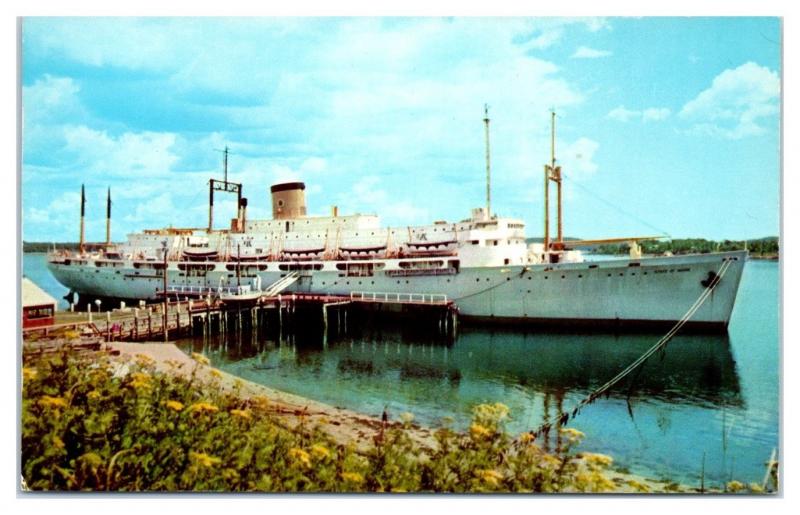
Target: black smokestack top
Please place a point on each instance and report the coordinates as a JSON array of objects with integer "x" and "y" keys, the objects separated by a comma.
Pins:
[
  {"x": 108, "y": 204},
  {"x": 83, "y": 200},
  {"x": 243, "y": 202},
  {"x": 287, "y": 186}
]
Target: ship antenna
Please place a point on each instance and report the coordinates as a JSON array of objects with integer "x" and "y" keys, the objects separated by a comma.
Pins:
[
  {"x": 488, "y": 162},
  {"x": 83, "y": 211},
  {"x": 225, "y": 162},
  {"x": 108, "y": 218}
]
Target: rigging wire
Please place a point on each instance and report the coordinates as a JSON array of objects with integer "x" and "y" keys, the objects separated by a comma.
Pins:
[
  {"x": 616, "y": 207},
  {"x": 563, "y": 417}
]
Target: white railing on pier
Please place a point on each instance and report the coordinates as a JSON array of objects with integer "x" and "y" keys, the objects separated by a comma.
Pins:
[
  {"x": 206, "y": 290},
  {"x": 407, "y": 298}
]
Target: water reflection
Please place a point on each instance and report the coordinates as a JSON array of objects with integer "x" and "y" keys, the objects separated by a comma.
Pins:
[{"x": 695, "y": 369}]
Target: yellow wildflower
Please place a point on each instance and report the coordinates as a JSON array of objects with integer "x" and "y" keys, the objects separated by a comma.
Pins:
[
  {"x": 200, "y": 358},
  {"x": 216, "y": 373},
  {"x": 140, "y": 380},
  {"x": 260, "y": 402},
  {"x": 300, "y": 456},
  {"x": 756, "y": 488},
  {"x": 526, "y": 438},
  {"x": 173, "y": 363},
  {"x": 93, "y": 395},
  {"x": 600, "y": 460},
  {"x": 320, "y": 451},
  {"x": 548, "y": 460},
  {"x": 203, "y": 407},
  {"x": 241, "y": 413},
  {"x": 144, "y": 359},
  {"x": 491, "y": 412},
  {"x": 58, "y": 442},
  {"x": 353, "y": 477},
  {"x": 478, "y": 431},
  {"x": 492, "y": 477},
  {"x": 204, "y": 459},
  {"x": 735, "y": 486},
  {"x": 28, "y": 374},
  {"x": 600, "y": 483},
  {"x": 174, "y": 405},
  {"x": 52, "y": 402},
  {"x": 573, "y": 435}
]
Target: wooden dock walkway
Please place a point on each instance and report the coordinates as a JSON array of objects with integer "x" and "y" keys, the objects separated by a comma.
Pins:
[{"x": 202, "y": 314}]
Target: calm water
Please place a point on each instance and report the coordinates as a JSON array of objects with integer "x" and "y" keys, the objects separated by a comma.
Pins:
[{"x": 712, "y": 396}]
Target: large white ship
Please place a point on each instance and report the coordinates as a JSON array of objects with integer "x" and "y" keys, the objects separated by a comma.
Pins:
[{"x": 482, "y": 263}]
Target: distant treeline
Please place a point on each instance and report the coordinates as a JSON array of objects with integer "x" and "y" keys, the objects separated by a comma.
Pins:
[
  {"x": 764, "y": 247},
  {"x": 40, "y": 246}
]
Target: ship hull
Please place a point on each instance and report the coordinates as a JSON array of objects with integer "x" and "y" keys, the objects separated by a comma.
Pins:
[{"x": 646, "y": 293}]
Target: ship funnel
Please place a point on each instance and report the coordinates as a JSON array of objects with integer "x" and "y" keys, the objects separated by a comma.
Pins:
[{"x": 288, "y": 200}]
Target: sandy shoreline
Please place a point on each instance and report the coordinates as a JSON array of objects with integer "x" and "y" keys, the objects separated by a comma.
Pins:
[{"x": 346, "y": 427}]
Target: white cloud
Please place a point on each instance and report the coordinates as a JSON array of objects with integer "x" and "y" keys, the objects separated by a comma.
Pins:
[
  {"x": 622, "y": 114},
  {"x": 736, "y": 102},
  {"x": 131, "y": 155},
  {"x": 650, "y": 114},
  {"x": 324, "y": 101},
  {"x": 51, "y": 98},
  {"x": 546, "y": 39},
  {"x": 655, "y": 114},
  {"x": 367, "y": 197},
  {"x": 589, "y": 53}
]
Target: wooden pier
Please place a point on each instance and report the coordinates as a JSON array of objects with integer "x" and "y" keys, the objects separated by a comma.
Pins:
[{"x": 200, "y": 313}]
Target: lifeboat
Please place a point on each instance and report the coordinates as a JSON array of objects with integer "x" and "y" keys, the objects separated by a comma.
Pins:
[
  {"x": 200, "y": 255},
  {"x": 302, "y": 254},
  {"x": 430, "y": 248},
  {"x": 362, "y": 252}
]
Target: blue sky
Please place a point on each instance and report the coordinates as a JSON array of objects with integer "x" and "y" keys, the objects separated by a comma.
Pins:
[{"x": 673, "y": 121}]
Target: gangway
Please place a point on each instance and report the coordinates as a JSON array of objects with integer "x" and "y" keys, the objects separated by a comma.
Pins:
[
  {"x": 230, "y": 292},
  {"x": 281, "y": 284}
]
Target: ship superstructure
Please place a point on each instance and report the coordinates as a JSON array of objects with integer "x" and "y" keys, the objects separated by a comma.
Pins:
[{"x": 482, "y": 263}]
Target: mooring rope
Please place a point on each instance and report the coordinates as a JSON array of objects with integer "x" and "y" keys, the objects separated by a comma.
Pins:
[{"x": 563, "y": 417}]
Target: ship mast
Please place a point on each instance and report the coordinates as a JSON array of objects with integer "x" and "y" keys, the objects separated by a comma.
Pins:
[
  {"x": 488, "y": 163},
  {"x": 552, "y": 173},
  {"x": 225, "y": 186}
]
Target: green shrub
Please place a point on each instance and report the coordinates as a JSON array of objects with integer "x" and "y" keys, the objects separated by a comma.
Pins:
[{"x": 96, "y": 424}]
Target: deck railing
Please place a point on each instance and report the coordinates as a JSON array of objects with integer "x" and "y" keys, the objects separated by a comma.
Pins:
[{"x": 408, "y": 298}]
